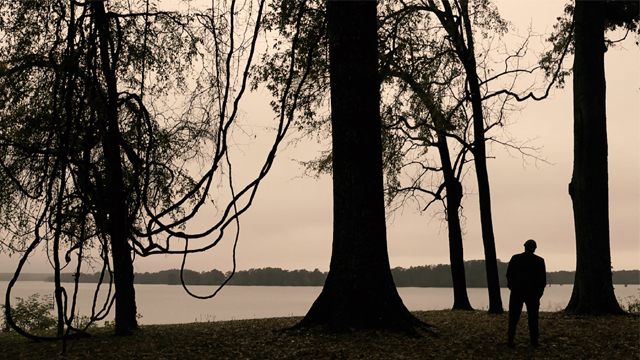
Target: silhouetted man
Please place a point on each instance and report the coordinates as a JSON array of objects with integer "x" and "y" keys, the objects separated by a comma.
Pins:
[{"x": 526, "y": 278}]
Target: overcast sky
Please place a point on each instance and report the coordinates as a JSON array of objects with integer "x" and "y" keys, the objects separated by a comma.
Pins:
[{"x": 290, "y": 224}]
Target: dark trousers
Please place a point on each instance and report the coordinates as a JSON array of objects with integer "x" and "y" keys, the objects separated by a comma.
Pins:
[{"x": 515, "y": 309}]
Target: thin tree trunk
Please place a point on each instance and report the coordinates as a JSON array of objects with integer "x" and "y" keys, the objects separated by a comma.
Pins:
[
  {"x": 456, "y": 254},
  {"x": 466, "y": 53},
  {"x": 359, "y": 291},
  {"x": 484, "y": 194},
  {"x": 589, "y": 187},
  {"x": 480, "y": 161},
  {"x": 454, "y": 196}
]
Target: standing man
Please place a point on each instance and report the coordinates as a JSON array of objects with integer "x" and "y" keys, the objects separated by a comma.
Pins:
[{"x": 526, "y": 278}]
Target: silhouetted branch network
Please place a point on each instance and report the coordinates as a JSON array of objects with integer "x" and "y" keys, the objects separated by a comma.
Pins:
[{"x": 64, "y": 200}]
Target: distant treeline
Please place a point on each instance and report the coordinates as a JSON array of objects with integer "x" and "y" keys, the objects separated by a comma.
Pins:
[
  {"x": 627, "y": 277},
  {"x": 25, "y": 276},
  {"x": 440, "y": 275},
  {"x": 419, "y": 276}
]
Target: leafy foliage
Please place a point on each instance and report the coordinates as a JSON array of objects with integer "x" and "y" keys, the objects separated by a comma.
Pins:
[
  {"x": 83, "y": 156},
  {"x": 633, "y": 304},
  {"x": 51, "y": 109},
  {"x": 32, "y": 314},
  {"x": 620, "y": 15},
  {"x": 421, "y": 78},
  {"x": 104, "y": 108}
]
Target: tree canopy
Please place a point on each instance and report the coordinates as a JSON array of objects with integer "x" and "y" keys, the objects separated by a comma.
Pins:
[{"x": 106, "y": 110}]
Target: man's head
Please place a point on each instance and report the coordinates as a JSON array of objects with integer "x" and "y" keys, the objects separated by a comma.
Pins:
[{"x": 530, "y": 246}]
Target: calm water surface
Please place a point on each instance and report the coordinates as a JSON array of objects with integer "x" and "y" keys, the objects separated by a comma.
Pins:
[{"x": 169, "y": 304}]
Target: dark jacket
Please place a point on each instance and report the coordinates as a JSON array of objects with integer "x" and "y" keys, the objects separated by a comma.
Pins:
[{"x": 526, "y": 275}]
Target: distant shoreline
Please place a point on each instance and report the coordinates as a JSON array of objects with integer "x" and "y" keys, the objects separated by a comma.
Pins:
[
  {"x": 421, "y": 276},
  {"x": 25, "y": 276}
]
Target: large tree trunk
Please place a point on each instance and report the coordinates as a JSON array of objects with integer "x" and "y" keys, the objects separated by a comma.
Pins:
[
  {"x": 456, "y": 255},
  {"x": 589, "y": 187},
  {"x": 126, "y": 310},
  {"x": 359, "y": 291},
  {"x": 118, "y": 226}
]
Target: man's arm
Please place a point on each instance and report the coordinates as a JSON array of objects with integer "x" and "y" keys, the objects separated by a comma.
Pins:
[
  {"x": 510, "y": 274},
  {"x": 543, "y": 276},
  {"x": 514, "y": 273}
]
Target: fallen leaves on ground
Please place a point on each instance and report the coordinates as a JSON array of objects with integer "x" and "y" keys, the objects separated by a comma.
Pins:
[{"x": 461, "y": 335}]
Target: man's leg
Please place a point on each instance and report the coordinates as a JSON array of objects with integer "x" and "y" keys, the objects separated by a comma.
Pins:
[
  {"x": 515, "y": 309},
  {"x": 533, "y": 312}
]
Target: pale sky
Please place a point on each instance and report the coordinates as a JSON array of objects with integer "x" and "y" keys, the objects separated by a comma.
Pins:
[{"x": 290, "y": 223}]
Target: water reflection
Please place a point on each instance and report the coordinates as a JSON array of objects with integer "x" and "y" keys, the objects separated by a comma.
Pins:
[{"x": 169, "y": 304}]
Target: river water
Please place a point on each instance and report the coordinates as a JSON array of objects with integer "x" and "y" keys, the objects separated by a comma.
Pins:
[{"x": 169, "y": 304}]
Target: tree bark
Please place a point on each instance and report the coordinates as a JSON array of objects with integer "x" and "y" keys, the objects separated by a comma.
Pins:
[
  {"x": 359, "y": 291},
  {"x": 118, "y": 224},
  {"x": 593, "y": 287},
  {"x": 480, "y": 160},
  {"x": 466, "y": 53},
  {"x": 456, "y": 254},
  {"x": 484, "y": 194},
  {"x": 453, "y": 198}
]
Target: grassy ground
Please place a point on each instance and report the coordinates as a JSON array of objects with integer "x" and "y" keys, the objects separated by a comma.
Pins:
[{"x": 461, "y": 335}]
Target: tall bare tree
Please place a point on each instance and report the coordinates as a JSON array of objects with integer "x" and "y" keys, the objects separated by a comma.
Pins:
[{"x": 459, "y": 28}]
